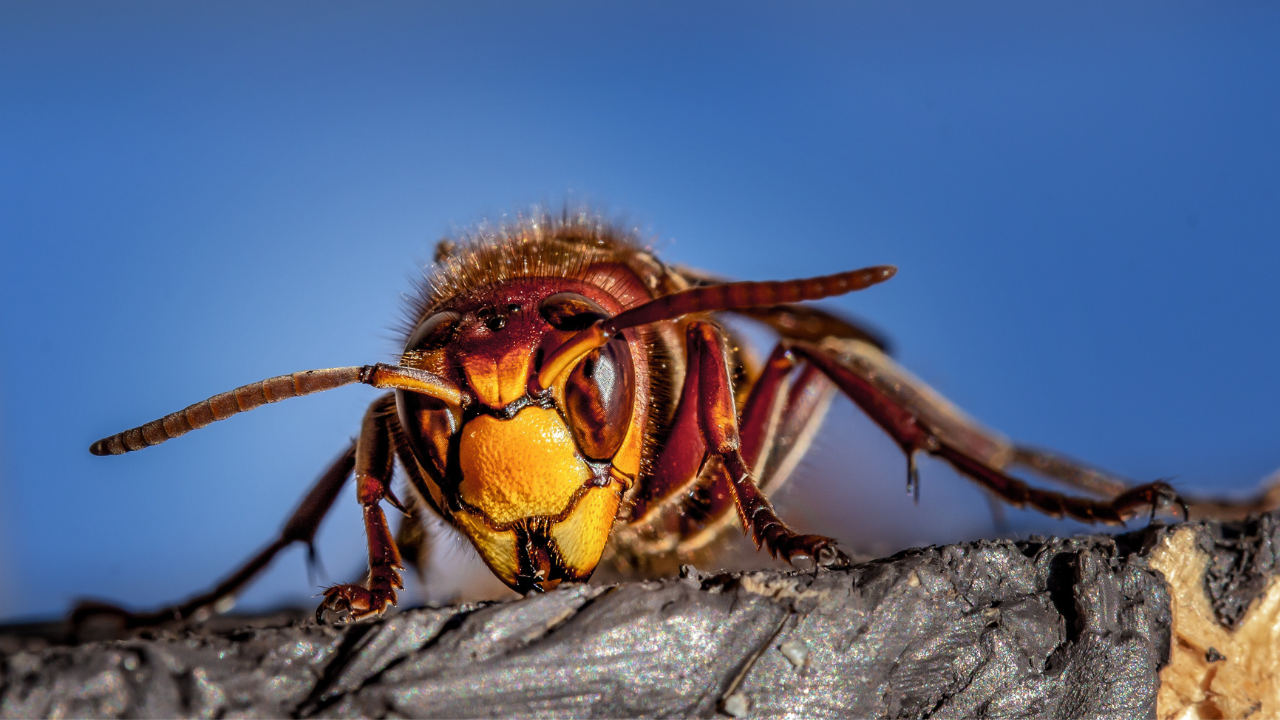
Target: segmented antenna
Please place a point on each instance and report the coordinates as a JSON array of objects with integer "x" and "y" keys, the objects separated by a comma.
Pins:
[
  {"x": 707, "y": 298},
  {"x": 281, "y": 387}
]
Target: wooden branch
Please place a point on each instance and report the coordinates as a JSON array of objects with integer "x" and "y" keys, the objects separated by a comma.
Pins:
[{"x": 1078, "y": 627}]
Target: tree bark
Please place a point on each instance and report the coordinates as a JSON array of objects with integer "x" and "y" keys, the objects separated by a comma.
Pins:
[{"x": 1060, "y": 627}]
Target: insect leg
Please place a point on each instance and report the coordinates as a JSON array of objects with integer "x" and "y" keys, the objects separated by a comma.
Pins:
[
  {"x": 918, "y": 420},
  {"x": 1068, "y": 471},
  {"x": 681, "y": 455},
  {"x": 777, "y": 423},
  {"x": 815, "y": 325},
  {"x": 989, "y": 446},
  {"x": 718, "y": 425},
  {"x": 762, "y": 411},
  {"x": 1265, "y": 500},
  {"x": 301, "y": 527},
  {"x": 412, "y": 539},
  {"x": 706, "y": 425},
  {"x": 1076, "y": 474},
  {"x": 373, "y": 469}
]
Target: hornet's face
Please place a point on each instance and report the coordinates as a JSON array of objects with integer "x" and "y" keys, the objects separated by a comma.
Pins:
[{"x": 535, "y": 481}]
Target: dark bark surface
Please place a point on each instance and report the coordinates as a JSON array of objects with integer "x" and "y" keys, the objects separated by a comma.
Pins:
[
  {"x": 1243, "y": 557},
  {"x": 1048, "y": 628}
]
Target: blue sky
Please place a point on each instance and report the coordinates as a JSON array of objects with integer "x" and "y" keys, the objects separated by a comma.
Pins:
[{"x": 1083, "y": 200}]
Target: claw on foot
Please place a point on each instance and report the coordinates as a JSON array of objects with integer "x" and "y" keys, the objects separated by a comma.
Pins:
[
  {"x": 1157, "y": 495},
  {"x": 803, "y": 562},
  {"x": 353, "y": 603},
  {"x": 831, "y": 556},
  {"x": 807, "y": 551}
]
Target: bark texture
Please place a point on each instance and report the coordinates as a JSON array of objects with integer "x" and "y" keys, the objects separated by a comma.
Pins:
[{"x": 1064, "y": 628}]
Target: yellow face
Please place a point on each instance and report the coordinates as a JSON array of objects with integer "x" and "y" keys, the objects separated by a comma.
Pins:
[
  {"x": 535, "y": 482},
  {"x": 528, "y": 502}
]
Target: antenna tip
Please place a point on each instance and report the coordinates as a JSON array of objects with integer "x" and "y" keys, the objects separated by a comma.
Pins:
[
  {"x": 880, "y": 273},
  {"x": 104, "y": 447}
]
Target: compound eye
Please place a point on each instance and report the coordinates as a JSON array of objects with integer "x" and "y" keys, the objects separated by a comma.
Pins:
[
  {"x": 599, "y": 397},
  {"x": 435, "y": 332},
  {"x": 570, "y": 311}
]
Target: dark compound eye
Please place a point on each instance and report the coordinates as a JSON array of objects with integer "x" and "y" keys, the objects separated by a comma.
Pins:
[
  {"x": 571, "y": 311},
  {"x": 599, "y": 397},
  {"x": 435, "y": 332}
]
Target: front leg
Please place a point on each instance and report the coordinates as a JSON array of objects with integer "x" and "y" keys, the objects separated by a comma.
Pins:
[
  {"x": 707, "y": 426},
  {"x": 373, "y": 484}
]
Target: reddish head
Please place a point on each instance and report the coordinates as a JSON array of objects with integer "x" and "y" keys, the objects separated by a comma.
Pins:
[{"x": 533, "y": 476}]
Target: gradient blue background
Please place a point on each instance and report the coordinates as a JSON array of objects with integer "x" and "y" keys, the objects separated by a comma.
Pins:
[{"x": 1083, "y": 199}]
